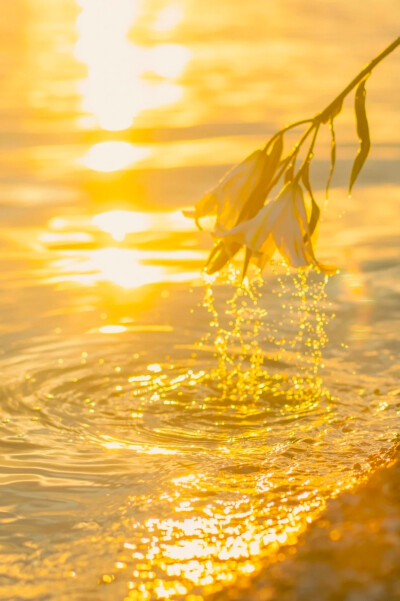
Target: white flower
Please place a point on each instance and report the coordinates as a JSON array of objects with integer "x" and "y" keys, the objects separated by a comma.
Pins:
[
  {"x": 228, "y": 198},
  {"x": 242, "y": 219},
  {"x": 280, "y": 225}
]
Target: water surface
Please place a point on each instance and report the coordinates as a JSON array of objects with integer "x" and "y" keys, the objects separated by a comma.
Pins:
[{"x": 131, "y": 466}]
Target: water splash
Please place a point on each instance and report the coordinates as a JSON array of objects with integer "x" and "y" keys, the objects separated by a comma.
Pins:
[{"x": 272, "y": 345}]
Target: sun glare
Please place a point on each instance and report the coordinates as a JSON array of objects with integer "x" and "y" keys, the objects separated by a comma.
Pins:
[
  {"x": 168, "y": 60},
  {"x": 121, "y": 223},
  {"x": 113, "y": 156},
  {"x": 112, "y": 329},
  {"x": 127, "y": 268},
  {"x": 103, "y": 27},
  {"x": 168, "y": 18},
  {"x": 117, "y": 88}
]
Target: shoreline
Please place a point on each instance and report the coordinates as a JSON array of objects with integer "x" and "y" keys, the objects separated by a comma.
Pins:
[{"x": 350, "y": 552}]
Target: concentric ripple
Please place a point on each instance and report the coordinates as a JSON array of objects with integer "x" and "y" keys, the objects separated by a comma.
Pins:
[{"x": 160, "y": 485}]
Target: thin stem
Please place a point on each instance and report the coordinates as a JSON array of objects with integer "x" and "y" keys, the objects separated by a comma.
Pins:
[
  {"x": 286, "y": 163},
  {"x": 309, "y": 154},
  {"x": 296, "y": 149},
  {"x": 324, "y": 115},
  {"x": 291, "y": 157},
  {"x": 302, "y": 140},
  {"x": 284, "y": 129}
]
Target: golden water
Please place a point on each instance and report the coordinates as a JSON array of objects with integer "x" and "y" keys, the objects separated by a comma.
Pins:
[{"x": 162, "y": 437}]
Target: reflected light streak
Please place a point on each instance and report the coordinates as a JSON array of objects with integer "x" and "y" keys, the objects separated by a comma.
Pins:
[
  {"x": 115, "y": 90},
  {"x": 123, "y": 267},
  {"x": 68, "y": 237},
  {"x": 120, "y": 223},
  {"x": 103, "y": 26},
  {"x": 113, "y": 156},
  {"x": 81, "y": 258},
  {"x": 194, "y": 550},
  {"x": 168, "y": 18},
  {"x": 108, "y": 442},
  {"x": 168, "y": 60},
  {"x": 112, "y": 329}
]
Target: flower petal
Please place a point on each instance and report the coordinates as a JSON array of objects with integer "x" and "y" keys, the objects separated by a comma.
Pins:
[
  {"x": 227, "y": 199},
  {"x": 236, "y": 188},
  {"x": 289, "y": 230},
  {"x": 253, "y": 232},
  {"x": 204, "y": 207},
  {"x": 266, "y": 252}
]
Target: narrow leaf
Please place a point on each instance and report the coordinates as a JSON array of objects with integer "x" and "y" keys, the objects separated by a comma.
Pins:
[
  {"x": 362, "y": 132},
  {"x": 315, "y": 210},
  {"x": 333, "y": 156}
]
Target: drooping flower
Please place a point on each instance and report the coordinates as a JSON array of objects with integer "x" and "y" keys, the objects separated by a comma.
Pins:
[
  {"x": 238, "y": 196},
  {"x": 229, "y": 197},
  {"x": 280, "y": 225}
]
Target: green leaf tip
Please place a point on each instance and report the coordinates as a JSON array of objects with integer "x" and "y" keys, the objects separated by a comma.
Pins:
[{"x": 362, "y": 132}]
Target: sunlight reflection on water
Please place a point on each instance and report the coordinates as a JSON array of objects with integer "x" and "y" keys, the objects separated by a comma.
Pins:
[
  {"x": 124, "y": 266},
  {"x": 133, "y": 467},
  {"x": 120, "y": 223},
  {"x": 116, "y": 89},
  {"x": 113, "y": 156}
]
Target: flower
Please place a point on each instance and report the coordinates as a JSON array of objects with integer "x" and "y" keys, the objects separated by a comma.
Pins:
[
  {"x": 280, "y": 225},
  {"x": 244, "y": 220},
  {"x": 231, "y": 194}
]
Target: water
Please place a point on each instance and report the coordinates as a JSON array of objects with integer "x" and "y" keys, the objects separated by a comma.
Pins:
[{"x": 133, "y": 466}]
